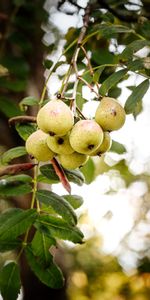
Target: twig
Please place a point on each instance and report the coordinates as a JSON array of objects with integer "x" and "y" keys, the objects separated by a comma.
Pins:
[
  {"x": 76, "y": 52},
  {"x": 80, "y": 112},
  {"x": 22, "y": 119},
  {"x": 89, "y": 85},
  {"x": 61, "y": 174}
]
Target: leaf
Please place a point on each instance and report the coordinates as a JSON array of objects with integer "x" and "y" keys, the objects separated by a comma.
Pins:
[
  {"x": 111, "y": 81},
  {"x": 41, "y": 247},
  {"x": 56, "y": 227},
  {"x": 88, "y": 171},
  {"x": 98, "y": 73},
  {"x": 132, "y": 48},
  {"x": 10, "y": 283},
  {"x": 59, "y": 205},
  {"x": 136, "y": 96},
  {"x": 16, "y": 168},
  {"x": 17, "y": 178},
  {"x": 74, "y": 200},
  {"x": 50, "y": 275},
  {"x": 13, "y": 153},
  {"x": 14, "y": 222},
  {"x": 29, "y": 101},
  {"x": 11, "y": 189},
  {"x": 9, "y": 245},
  {"x": 72, "y": 175},
  {"x": 117, "y": 147},
  {"x": 9, "y": 108},
  {"x": 24, "y": 130}
]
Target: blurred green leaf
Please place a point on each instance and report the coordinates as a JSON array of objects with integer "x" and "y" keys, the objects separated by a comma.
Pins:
[
  {"x": 13, "y": 153},
  {"x": 17, "y": 178},
  {"x": 111, "y": 81},
  {"x": 59, "y": 205},
  {"x": 41, "y": 245},
  {"x": 14, "y": 222},
  {"x": 72, "y": 175},
  {"x": 56, "y": 227},
  {"x": 136, "y": 97},
  {"x": 9, "y": 245},
  {"x": 29, "y": 101},
  {"x": 10, "y": 283},
  {"x": 98, "y": 73},
  {"x": 25, "y": 130},
  {"x": 9, "y": 108},
  {"x": 88, "y": 171},
  {"x": 50, "y": 274},
  {"x": 16, "y": 188},
  {"x": 132, "y": 48},
  {"x": 103, "y": 56},
  {"x": 117, "y": 147},
  {"x": 75, "y": 200}
]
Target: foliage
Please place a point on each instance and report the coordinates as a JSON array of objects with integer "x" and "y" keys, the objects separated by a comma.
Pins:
[{"x": 88, "y": 56}]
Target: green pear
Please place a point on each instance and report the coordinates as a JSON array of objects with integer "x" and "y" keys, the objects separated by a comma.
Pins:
[
  {"x": 86, "y": 136},
  {"x": 60, "y": 144},
  {"x": 72, "y": 161},
  {"x": 105, "y": 146},
  {"x": 110, "y": 115},
  {"x": 37, "y": 147},
  {"x": 55, "y": 118}
]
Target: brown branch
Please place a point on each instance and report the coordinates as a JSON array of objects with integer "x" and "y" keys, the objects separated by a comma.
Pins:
[
  {"x": 16, "y": 168},
  {"x": 22, "y": 119},
  {"x": 61, "y": 174},
  {"x": 81, "y": 114}
]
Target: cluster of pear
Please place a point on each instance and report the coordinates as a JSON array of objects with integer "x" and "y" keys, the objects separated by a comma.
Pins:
[{"x": 71, "y": 142}]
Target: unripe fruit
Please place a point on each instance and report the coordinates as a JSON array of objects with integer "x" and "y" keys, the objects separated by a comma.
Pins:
[
  {"x": 110, "y": 115},
  {"x": 37, "y": 147},
  {"x": 86, "y": 136},
  {"x": 55, "y": 118},
  {"x": 59, "y": 144},
  {"x": 105, "y": 146},
  {"x": 72, "y": 161}
]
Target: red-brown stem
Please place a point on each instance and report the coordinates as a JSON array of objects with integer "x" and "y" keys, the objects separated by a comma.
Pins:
[
  {"x": 16, "y": 168},
  {"x": 61, "y": 174},
  {"x": 22, "y": 119}
]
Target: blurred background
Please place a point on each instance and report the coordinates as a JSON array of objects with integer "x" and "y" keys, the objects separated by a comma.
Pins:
[{"x": 114, "y": 261}]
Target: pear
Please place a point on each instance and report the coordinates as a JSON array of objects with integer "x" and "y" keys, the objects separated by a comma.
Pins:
[
  {"x": 110, "y": 115},
  {"x": 55, "y": 118},
  {"x": 86, "y": 136},
  {"x": 105, "y": 146},
  {"x": 37, "y": 147},
  {"x": 59, "y": 144},
  {"x": 72, "y": 161}
]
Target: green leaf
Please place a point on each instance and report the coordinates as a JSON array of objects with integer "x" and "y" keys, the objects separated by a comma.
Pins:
[
  {"x": 59, "y": 205},
  {"x": 89, "y": 171},
  {"x": 50, "y": 275},
  {"x": 56, "y": 227},
  {"x": 16, "y": 188},
  {"x": 117, "y": 147},
  {"x": 103, "y": 56},
  {"x": 98, "y": 73},
  {"x": 13, "y": 153},
  {"x": 14, "y": 222},
  {"x": 29, "y": 101},
  {"x": 9, "y": 108},
  {"x": 136, "y": 96},
  {"x": 41, "y": 245},
  {"x": 74, "y": 200},
  {"x": 10, "y": 283},
  {"x": 9, "y": 245},
  {"x": 48, "y": 63},
  {"x": 133, "y": 47},
  {"x": 72, "y": 175},
  {"x": 24, "y": 130},
  {"x": 15, "y": 85},
  {"x": 16, "y": 178},
  {"x": 111, "y": 81}
]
